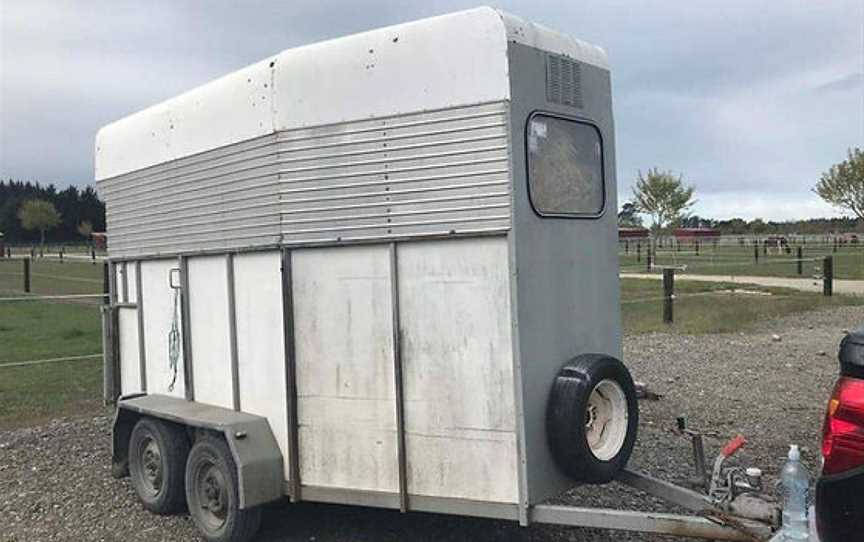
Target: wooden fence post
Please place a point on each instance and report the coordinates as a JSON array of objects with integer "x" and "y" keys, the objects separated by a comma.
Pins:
[
  {"x": 756, "y": 251},
  {"x": 648, "y": 260},
  {"x": 26, "y": 275},
  {"x": 668, "y": 294},
  {"x": 828, "y": 276},
  {"x": 800, "y": 256},
  {"x": 638, "y": 252}
]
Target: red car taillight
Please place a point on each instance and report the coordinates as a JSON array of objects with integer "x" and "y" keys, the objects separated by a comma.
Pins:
[{"x": 843, "y": 432}]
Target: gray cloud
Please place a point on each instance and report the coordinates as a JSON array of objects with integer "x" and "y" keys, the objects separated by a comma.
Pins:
[{"x": 749, "y": 99}]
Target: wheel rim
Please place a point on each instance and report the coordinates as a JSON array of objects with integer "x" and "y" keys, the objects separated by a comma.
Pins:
[
  {"x": 606, "y": 420},
  {"x": 152, "y": 468},
  {"x": 211, "y": 491}
]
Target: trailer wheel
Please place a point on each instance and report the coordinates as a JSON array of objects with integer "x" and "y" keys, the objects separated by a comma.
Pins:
[
  {"x": 157, "y": 457},
  {"x": 592, "y": 418},
  {"x": 211, "y": 491}
]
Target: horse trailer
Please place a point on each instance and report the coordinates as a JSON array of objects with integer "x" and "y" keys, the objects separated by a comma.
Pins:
[{"x": 379, "y": 270}]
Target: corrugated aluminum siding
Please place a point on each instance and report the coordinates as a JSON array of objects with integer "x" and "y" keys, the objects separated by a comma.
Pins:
[
  {"x": 225, "y": 198},
  {"x": 431, "y": 173}
]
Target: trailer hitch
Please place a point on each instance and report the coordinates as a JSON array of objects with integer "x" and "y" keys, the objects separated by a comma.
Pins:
[
  {"x": 700, "y": 480},
  {"x": 751, "y": 528},
  {"x": 730, "y": 489}
]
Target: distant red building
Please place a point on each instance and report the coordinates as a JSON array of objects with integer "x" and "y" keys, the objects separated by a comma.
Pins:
[{"x": 632, "y": 233}]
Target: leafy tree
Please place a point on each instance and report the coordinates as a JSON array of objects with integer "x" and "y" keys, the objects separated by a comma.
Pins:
[
  {"x": 696, "y": 221},
  {"x": 758, "y": 226},
  {"x": 628, "y": 216},
  {"x": 737, "y": 226},
  {"x": 36, "y": 214},
  {"x": 74, "y": 205},
  {"x": 85, "y": 229},
  {"x": 662, "y": 196},
  {"x": 843, "y": 185}
]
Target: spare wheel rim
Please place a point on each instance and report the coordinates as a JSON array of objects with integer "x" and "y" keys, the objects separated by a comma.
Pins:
[{"x": 606, "y": 419}]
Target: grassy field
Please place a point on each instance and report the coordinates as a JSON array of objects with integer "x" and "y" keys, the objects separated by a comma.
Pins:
[
  {"x": 702, "y": 307},
  {"x": 31, "y": 330},
  {"x": 50, "y": 277},
  {"x": 735, "y": 260},
  {"x": 35, "y": 330}
]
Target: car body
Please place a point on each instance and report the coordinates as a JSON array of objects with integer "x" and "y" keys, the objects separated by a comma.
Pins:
[{"x": 840, "y": 487}]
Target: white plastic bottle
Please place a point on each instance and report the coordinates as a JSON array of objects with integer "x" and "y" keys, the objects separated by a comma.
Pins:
[{"x": 796, "y": 486}]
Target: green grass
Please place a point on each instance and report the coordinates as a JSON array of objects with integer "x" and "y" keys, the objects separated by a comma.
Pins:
[
  {"x": 35, "y": 330},
  {"x": 702, "y": 307},
  {"x": 38, "y": 330},
  {"x": 734, "y": 260},
  {"x": 50, "y": 277},
  {"x": 32, "y": 330},
  {"x": 32, "y": 395}
]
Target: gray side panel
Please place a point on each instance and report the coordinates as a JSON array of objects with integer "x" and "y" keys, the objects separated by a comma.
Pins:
[
  {"x": 567, "y": 282},
  {"x": 256, "y": 454}
]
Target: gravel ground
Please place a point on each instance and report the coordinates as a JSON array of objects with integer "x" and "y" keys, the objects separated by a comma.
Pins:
[{"x": 55, "y": 482}]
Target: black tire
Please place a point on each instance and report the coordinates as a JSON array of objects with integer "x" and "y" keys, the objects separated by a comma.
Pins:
[
  {"x": 157, "y": 462},
  {"x": 570, "y": 421},
  {"x": 211, "y": 491}
]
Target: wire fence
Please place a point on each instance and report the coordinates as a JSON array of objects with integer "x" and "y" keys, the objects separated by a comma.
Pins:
[
  {"x": 757, "y": 259},
  {"x": 55, "y": 250},
  {"x": 56, "y": 346},
  {"x": 28, "y": 363},
  {"x": 77, "y": 280},
  {"x": 43, "y": 294}
]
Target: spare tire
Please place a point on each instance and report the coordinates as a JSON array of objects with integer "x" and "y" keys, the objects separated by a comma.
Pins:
[{"x": 592, "y": 418}]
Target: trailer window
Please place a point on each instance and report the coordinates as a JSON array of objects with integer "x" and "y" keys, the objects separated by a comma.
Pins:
[{"x": 565, "y": 167}]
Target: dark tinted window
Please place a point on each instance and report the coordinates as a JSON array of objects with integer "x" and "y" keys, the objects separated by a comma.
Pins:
[{"x": 565, "y": 166}]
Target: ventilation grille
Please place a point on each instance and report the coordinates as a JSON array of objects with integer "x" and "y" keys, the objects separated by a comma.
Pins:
[{"x": 563, "y": 81}]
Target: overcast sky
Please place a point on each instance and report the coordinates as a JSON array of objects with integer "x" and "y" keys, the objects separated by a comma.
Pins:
[{"x": 750, "y": 100}]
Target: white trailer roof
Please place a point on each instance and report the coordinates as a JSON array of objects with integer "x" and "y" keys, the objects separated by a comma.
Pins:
[{"x": 446, "y": 61}]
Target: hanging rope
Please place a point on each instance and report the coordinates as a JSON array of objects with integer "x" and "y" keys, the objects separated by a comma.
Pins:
[{"x": 174, "y": 340}]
